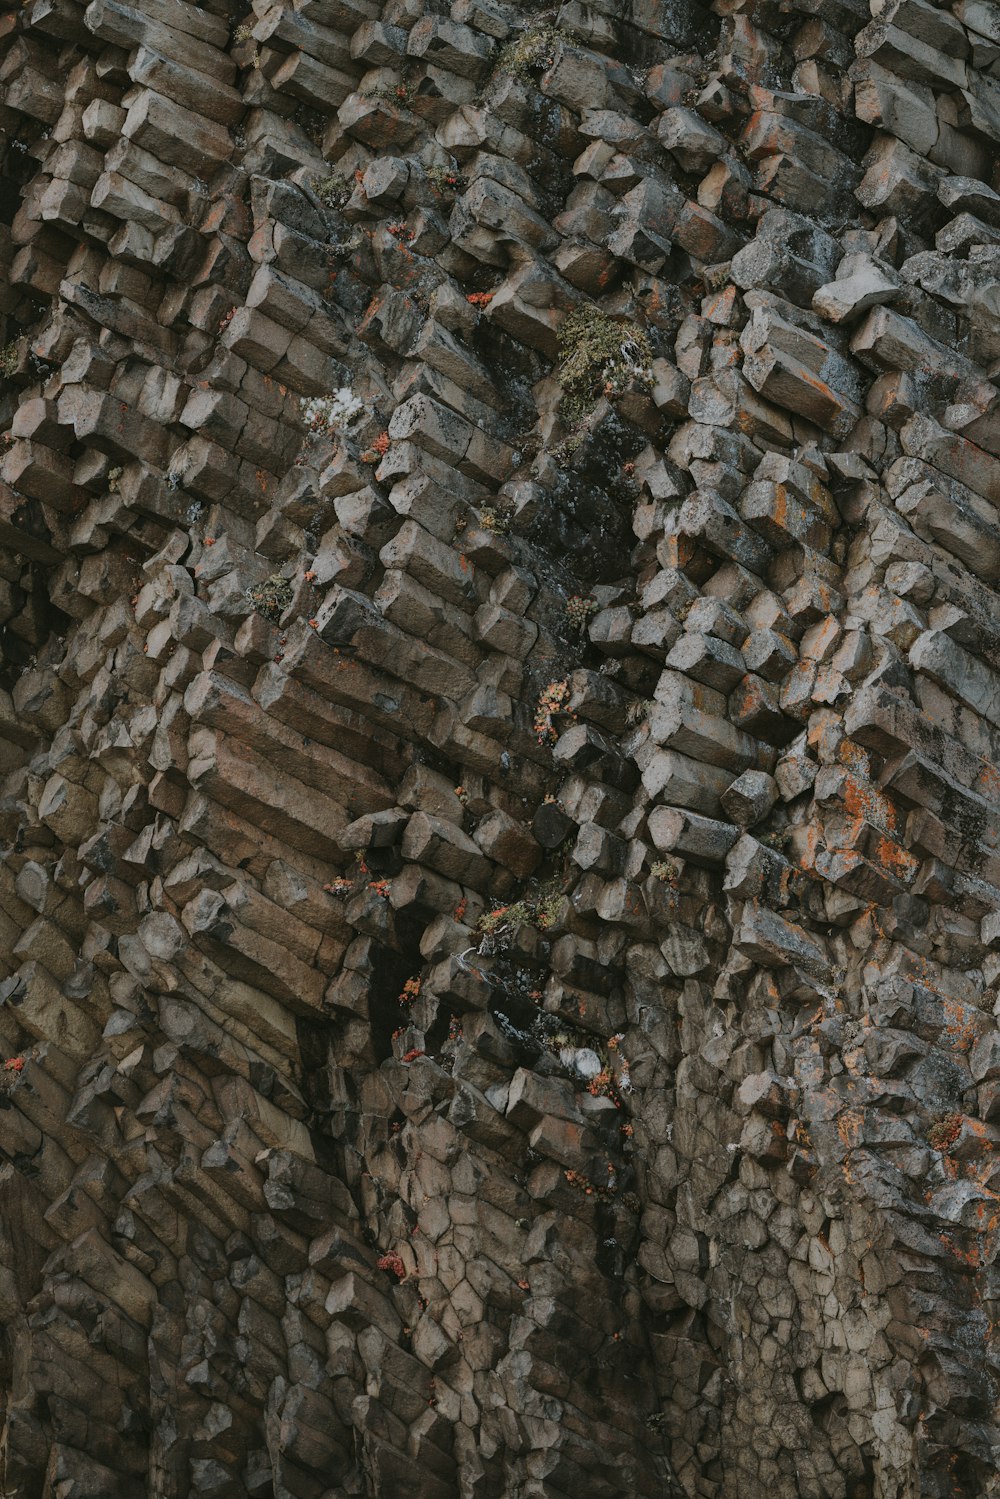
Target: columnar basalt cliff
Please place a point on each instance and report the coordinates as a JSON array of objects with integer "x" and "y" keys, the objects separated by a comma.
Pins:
[{"x": 500, "y": 742}]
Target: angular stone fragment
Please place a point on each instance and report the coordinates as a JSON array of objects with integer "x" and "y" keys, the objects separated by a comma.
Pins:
[
  {"x": 771, "y": 940},
  {"x": 749, "y": 798}
]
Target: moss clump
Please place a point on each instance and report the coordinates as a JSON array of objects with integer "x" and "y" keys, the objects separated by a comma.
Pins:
[
  {"x": 531, "y": 53},
  {"x": 272, "y": 597},
  {"x": 945, "y": 1131},
  {"x": 9, "y": 360},
  {"x": 332, "y": 191},
  {"x": 598, "y": 355}
]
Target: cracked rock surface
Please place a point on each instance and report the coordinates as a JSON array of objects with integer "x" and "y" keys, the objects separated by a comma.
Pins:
[{"x": 499, "y": 749}]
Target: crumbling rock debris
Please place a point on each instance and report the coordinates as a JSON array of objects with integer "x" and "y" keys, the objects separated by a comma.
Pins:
[{"x": 500, "y": 741}]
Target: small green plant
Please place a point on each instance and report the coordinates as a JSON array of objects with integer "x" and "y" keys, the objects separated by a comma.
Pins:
[
  {"x": 333, "y": 190},
  {"x": 579, "y": 611},
  {"x": 9, "y": 360},
  {"x": 533, "y": 52},
  {"x": 114, "y": 475},
  {"x": 272, "y": 597},
  {"x": 667, "y": 871}
]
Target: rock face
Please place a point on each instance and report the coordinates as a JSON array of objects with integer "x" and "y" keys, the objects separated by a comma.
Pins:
[{"x": 500, "y": 738}]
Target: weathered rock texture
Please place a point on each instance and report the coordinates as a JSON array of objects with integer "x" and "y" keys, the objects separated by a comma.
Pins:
[{"x": 355, "y": 581}]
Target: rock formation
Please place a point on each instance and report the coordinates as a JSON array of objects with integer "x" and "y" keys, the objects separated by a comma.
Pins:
[{"x": 500, "y": 741}]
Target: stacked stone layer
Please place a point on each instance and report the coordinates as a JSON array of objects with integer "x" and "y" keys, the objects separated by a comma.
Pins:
[{"x": 335, "y": 617}]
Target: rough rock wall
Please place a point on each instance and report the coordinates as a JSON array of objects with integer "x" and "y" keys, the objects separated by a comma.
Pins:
[{"x": 462, "y": 457}]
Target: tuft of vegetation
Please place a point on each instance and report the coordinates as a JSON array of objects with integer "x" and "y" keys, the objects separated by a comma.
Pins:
[
  {"x": 944, "y": 1131},
  {"x": 579, "y": 610},
  {"x": 497, "y": 929},
  {"x": 445, "y": 181},
  {"x": 9, "y": 360},
  {"x": 411, "y": 992},
  {"x": 378, "y": 449},
  {"x": 325, "y": 415},
  {"x": 496, "y": 519},
  {"x": 552, "y": 700},
  {"x": 334, "y": 190},
  {"x": 600, "y": 356},
  {"x": 667, "y": 871},
  {"x": 272, "y": 597},
  {"x": 10, "y": 1072},
  {"x": 533, "y": 52}
]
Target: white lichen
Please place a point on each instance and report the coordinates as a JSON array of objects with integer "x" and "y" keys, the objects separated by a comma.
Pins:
[{"x": 328, "y": 414}]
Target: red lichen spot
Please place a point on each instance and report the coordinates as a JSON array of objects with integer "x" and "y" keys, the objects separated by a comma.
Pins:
[
  {"x": 393, "y": 1263},
  {"x": 480, "y": 298}
]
